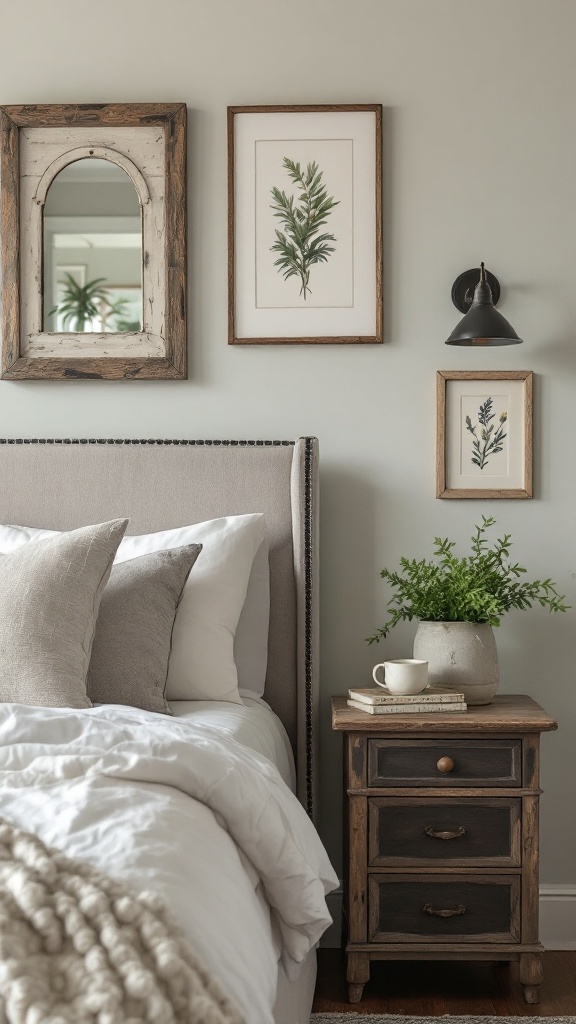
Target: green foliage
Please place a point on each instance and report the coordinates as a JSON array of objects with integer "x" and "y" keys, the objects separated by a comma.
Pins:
[
  {"x": 489, "y": 442},
  {"x": 80, "y": 302},
  {"x": 300, "y": 246},
  {"x": 478, "y": 588}
]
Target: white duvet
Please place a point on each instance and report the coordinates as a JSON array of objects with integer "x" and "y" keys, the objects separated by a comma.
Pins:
[{"x": 176, "y": 807}]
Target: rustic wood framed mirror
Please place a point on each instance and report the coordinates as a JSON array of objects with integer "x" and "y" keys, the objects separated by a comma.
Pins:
[{"x": 93, "y": 241}]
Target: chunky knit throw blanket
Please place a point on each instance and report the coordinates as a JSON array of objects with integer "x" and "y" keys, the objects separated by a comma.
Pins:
[{"x": 76, "y": 946}]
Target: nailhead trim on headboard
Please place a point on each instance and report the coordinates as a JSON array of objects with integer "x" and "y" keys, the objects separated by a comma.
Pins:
[
  {"x": 308, "y": 526},
  {"x": 131, "y": 440}
]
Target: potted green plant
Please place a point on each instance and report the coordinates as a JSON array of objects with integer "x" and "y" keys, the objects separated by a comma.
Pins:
[
  {"x": 457, "y": 602},
  {"x": 82, "y": 303}
]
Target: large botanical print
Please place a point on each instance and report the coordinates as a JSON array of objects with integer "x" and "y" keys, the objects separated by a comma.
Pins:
[
  {"x": 484, "y": 434},
  {"x": 305, "y": 238},
  {"x": 300, "y": 244}
]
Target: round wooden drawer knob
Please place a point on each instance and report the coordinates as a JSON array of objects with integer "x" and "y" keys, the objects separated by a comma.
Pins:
[{"x": 445, "y": 765}]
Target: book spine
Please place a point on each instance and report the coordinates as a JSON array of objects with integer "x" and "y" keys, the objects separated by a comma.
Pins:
[
  {"x": 407, "y": 709},
  {"x": 441, "y": 698}
]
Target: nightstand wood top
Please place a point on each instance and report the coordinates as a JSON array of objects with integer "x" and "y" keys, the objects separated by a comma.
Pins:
[{"x": 508, "y": 713}]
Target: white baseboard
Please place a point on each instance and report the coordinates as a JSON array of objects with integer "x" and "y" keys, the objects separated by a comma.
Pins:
[{"x": 557, "y": 917}]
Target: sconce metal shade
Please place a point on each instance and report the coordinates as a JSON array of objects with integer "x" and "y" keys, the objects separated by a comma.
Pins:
[{"x": 483, "y": 324}]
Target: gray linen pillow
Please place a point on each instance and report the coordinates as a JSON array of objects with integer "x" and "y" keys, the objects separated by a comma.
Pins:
[
  {"x": 49, "y": 599},
  {"x": 133, "y": 638}
]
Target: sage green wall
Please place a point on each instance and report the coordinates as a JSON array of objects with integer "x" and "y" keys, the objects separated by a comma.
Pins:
[{"x": 479, "y": 163}]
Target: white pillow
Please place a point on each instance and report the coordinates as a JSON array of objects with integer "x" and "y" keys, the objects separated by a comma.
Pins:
[
  {"x": 201, "y": 665},
  {"x": 251, "y": 640}
]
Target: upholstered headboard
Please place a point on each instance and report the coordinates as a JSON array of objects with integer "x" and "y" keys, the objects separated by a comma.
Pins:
[{"x": 64, "y": 484}]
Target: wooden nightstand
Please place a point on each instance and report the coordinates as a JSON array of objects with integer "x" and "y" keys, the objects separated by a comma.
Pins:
[{"x": 442, "y": 836}]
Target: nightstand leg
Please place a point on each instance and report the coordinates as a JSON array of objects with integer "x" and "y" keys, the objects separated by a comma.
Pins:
[
  {"x": 357, "y": 974},
  {"x": 531, "y": 975}
]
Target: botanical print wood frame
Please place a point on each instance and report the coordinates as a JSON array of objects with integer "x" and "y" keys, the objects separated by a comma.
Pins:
[
  {"x": 93, "y": 241},
  {"x": 484, "y": 434},
  {"x": 305, "y": 224}
]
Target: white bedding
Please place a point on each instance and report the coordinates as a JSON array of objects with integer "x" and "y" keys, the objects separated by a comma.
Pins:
[
  {"x": 180, "y": 806},
  {"x": 253, "y": 724}
]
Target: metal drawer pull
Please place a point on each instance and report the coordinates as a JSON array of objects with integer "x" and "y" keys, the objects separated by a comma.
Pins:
[
  {"x": 454, "y": 912},
  {"x": 445, "y": 765},
  {"x": 455, "y": 834}
]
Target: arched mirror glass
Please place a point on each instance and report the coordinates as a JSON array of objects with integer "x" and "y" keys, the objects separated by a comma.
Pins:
[{"x": 92, "y": 251}]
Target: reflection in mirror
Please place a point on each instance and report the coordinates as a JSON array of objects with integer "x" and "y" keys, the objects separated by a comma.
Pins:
[{"x": 92, "y": 266}]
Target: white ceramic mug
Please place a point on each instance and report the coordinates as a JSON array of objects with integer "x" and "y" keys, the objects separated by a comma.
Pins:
[{"x": 403, "y": 676}]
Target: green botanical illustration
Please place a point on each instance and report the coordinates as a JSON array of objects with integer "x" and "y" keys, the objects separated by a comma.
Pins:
[
  {"x": 489, "y": 441},
  {"x": 299, "y": 244}
]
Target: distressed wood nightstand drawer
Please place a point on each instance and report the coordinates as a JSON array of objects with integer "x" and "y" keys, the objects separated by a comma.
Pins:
[
  {"x": 444, "y": 762},
  {"x": 438, "y": 908},
  {"x": 406, "y": 832}
]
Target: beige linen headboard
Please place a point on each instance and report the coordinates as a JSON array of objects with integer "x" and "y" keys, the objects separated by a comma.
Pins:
[{"x": 159, "y": 485}]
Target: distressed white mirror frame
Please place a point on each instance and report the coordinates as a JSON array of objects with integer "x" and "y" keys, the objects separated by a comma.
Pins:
[{"x": 148, "y": 141}]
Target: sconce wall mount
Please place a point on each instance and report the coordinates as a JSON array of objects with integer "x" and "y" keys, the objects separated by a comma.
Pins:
[{"x": 475, "y": 294}]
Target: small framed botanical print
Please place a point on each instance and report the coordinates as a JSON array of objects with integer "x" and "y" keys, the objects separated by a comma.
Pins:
[
  {"x": 305, "y": 224},
  {"x": 484, "y": 434}
]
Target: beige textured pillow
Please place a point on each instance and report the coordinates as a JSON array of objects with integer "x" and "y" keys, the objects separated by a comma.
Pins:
[
  {"x": 133, "y": 639},
  {"x": 49, "y": 599}
]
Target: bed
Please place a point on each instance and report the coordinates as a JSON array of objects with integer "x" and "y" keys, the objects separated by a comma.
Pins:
[{"x": 218, "y": 888}]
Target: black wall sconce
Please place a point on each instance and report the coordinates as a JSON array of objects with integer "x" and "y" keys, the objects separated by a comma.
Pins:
[{"x": 475, "y": 294}]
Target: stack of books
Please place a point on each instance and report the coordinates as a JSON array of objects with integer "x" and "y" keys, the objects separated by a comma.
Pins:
[{"x": 379, "y": 701}]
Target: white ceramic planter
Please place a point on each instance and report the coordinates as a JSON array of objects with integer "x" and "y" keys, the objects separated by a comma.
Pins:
[{"x": 461, "y": 656}]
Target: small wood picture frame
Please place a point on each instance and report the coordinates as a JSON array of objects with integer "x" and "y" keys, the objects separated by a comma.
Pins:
[{"x": 484, "y": 434}]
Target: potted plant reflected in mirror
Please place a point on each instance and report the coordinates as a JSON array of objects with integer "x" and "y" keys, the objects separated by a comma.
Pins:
[
  {"x": 457, "y": 602},
  {"x": 91, "y": 307}
]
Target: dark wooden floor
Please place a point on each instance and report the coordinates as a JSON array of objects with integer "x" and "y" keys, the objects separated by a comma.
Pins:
[{"x": 434, "y": 988}]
